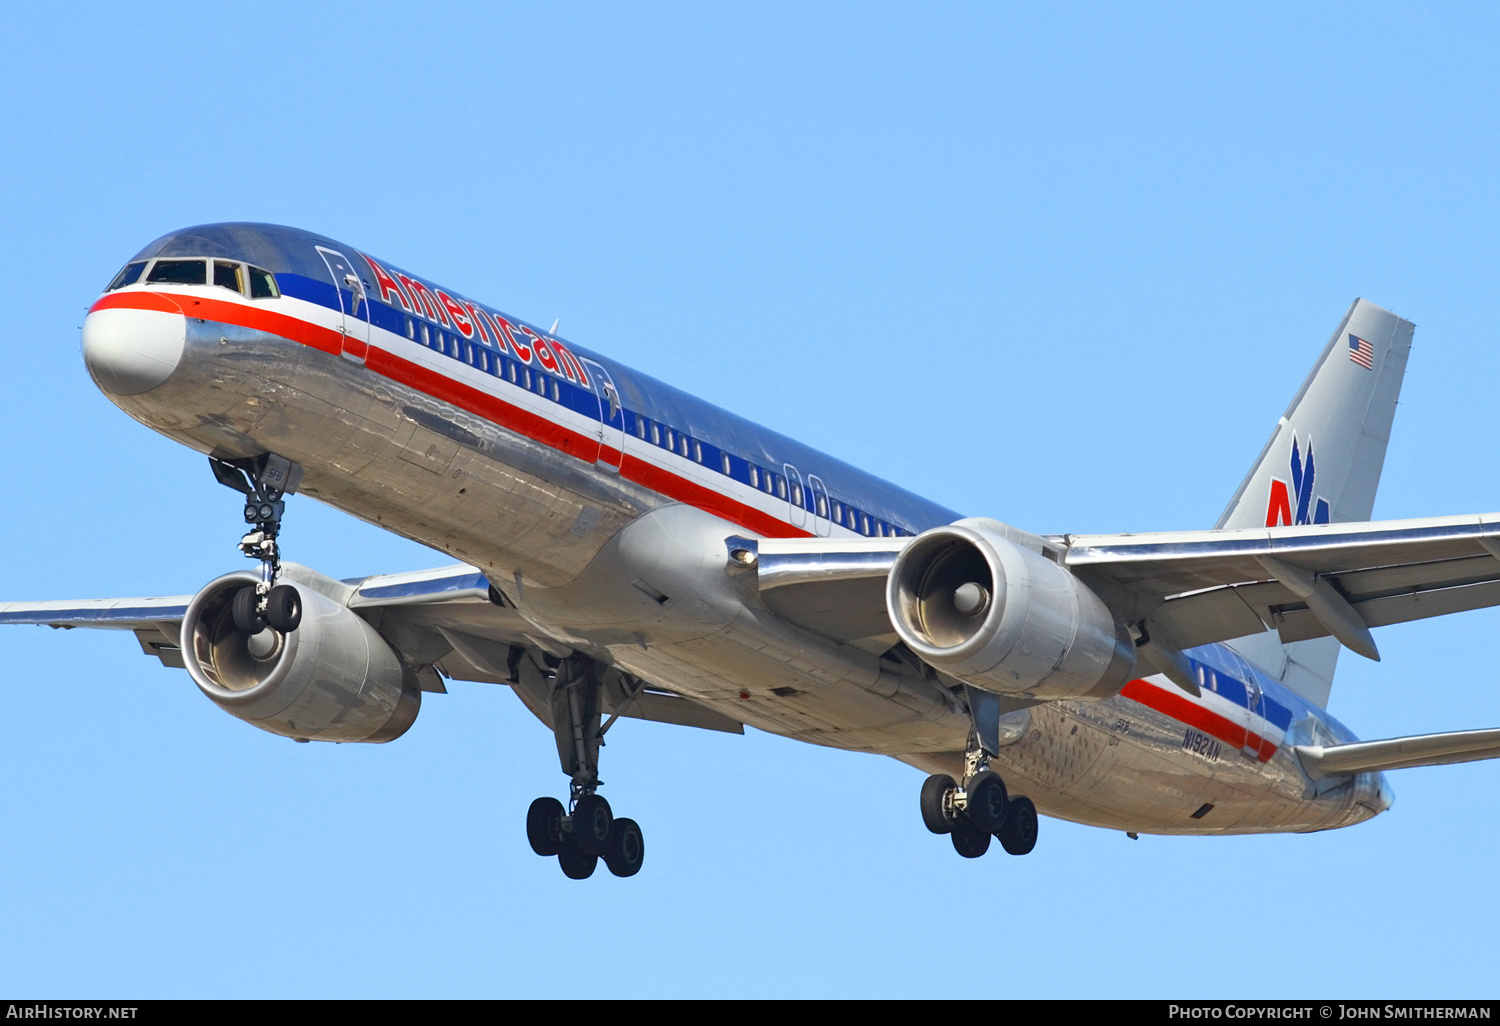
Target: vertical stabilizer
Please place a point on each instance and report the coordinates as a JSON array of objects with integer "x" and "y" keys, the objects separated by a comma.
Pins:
[{"x": 1322, "y": 465}]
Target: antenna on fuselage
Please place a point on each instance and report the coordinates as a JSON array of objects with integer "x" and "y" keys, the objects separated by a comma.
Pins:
[{"x": 553, "y": 330}]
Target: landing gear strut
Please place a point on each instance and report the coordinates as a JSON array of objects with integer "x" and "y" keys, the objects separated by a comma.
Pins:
[
  {"x": 981, "y": 809},
  {"x": 263, "y": 480},
  {"x": 587, "y": 830}
]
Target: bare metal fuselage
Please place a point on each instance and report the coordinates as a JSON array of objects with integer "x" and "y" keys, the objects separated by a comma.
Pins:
[{"x": 561, "y": 536}]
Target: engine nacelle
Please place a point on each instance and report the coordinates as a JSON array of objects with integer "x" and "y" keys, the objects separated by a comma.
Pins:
[
  {"x": 1001, "y": 617},
  {"x": 332, "y": 679}
]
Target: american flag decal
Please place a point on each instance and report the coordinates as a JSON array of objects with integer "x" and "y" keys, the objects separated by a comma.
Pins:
[{"x": 1361, "y": 352}]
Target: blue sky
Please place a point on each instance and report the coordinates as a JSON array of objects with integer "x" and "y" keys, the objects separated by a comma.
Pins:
[{"x": 1059, "y": 265}]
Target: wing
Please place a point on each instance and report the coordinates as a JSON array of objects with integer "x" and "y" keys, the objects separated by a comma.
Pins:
[
  {"x": 1399, "y": 753},
  {"x": 1199, "y": 587},
  {"x": 446, "y": 622},
  {"x": 1185, "y": 589}
]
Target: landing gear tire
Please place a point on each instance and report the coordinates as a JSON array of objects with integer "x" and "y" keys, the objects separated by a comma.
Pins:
[
  {"x": 627, "y": 849},
  {"x": 544, "y": 826},
  {"x": 284, "y": 608},
  {"x": 1018, "y": 835},
  {"x": 247, "y": 620},
  {"x": 935, "y": 792},
  {"x": 986, "y": 806},
  {"x": 968, "y": 840},
  {"x": 576, "y": 864},
  {"x": 591, "y": 822}
]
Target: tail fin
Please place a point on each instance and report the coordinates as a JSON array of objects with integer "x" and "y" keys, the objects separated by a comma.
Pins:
[{"x": 1322, "y": 465}]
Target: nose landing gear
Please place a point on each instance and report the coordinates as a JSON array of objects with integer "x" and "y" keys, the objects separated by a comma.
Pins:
[
  {"x": 264, "y": 481},
  {"x": 589, "y": 832}
]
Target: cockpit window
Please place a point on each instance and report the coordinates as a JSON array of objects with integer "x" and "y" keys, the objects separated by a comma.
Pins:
[
  {"x": 229, "y": 276},
  {"x": 262, "y": 284},
  {"x": 129, "y": 275},
  {"x": 178, "y": 272}
]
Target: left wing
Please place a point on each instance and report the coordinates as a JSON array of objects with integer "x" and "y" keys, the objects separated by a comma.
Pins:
[
  {"x": 1198, "y": 587},
  {"x": 1399, "y": 753},
  {"x": 1184, "y": 589}
]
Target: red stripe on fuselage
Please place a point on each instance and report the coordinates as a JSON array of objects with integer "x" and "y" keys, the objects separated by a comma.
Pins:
[
  {"x": 465, "y": 397},
  {"x": 1180, "y": 708}
]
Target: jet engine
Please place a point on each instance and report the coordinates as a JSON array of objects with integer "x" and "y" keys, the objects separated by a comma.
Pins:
[
  {"x": 980, "y": 607},
  {"x": 333, "y": 678}
]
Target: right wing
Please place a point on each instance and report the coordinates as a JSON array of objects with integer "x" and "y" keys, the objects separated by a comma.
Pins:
[{"x": 443, "y": 622}]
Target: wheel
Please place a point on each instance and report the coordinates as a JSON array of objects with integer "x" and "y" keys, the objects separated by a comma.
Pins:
[
  {"x": 986, "y": 806},
  {"x": 968, "y": 840},
  {"x": 246, "y": 619},
  {"x": 1018, "y": 835},
  {"x": 591, "y": 822},
  {"x": 935, "y": 792},
  {"x": 627, "y": 849},
  {"x": 544, "y": 826},
  {"x": 576, "y": 865},
  {"x": 284, "y": 608}
]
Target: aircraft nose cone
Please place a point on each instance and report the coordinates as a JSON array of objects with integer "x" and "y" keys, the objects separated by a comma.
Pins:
[{"x": 130, "y": 350}]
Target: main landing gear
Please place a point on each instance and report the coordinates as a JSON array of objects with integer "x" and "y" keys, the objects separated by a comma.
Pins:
[
  {"x": 263, "y": 480},
  {"x": 981, "y": 809},
  {"x": 587, "y": 830}
]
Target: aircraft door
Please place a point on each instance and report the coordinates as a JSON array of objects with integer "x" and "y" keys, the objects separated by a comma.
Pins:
[
  {"x": 796, "y": 496},
  {"x": 822, "y": 521},
  {"x": 354, "y": 307},
  {"x": 1253, "y": 712},
  {"x": 611, "y": 417}
]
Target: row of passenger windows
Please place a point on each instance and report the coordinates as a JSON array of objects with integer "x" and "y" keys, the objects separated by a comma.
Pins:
[
  {"x": 487, "y": 360},
  {"x": 661, "y": 435},
  {"x": 814, "y": 500},
  {"x": 254, "y": 282}
]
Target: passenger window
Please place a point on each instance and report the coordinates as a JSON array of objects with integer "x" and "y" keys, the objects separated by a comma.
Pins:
[
  {"x": 781, "y": 486},
  {"x": 797, "y": 494},
  {"x": 178, "y": 272},
  {"x": 426, "y": 339},
  {"x": 697, "y": 451},
  {"x": 263, "y": 284},
  {"x": 411, "y": 329},
  {"x": 556, "y": 392},
  {"x": 229, "y": 276},
  {"x": 463, "y": 351},
  {"x": 724, "y": 457},
  {"x": 129, "y": 275},
  {"x": 640, "y": 428},
  {"x": 754, "y": 476},
  {"x": 822, "y": 504},
  {"x": 683, "y": 447}
]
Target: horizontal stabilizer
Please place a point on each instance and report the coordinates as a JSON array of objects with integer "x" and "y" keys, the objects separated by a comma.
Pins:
[{"x": 1399, "y": 753}]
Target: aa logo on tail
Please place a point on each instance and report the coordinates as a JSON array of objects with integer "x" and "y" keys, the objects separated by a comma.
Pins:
[{"x": 1279, "y": 509}]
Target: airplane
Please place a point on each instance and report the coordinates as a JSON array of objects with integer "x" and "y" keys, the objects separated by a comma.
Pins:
[{"x": 627, "y": 549}]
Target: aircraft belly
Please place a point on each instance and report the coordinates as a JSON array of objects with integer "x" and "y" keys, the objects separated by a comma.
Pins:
[{"x": 1120, "y": 765}]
